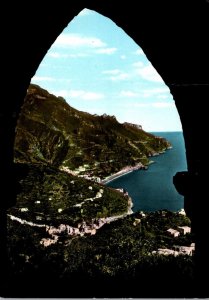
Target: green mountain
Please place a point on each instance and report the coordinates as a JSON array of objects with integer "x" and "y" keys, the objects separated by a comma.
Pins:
[
  {"x": 54, "y": 143},
  {"x": 52, "y": 132},
  {"x": 72, "y": 232}
]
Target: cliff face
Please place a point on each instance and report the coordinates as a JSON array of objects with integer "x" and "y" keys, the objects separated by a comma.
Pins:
[{"x": 52, "y": 132}]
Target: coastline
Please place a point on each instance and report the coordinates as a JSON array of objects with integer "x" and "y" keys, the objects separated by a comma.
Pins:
[
  {"x": 124, "y": 171},
  {"x": 129, "y": 169}
]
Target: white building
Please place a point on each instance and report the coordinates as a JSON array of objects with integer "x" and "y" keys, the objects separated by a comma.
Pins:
[
  {"x": 182, "y": 212},
  {"x": 184, "y": 229},
  {"x": 186, "y": 250},
  {"x": 162, "y": 251},
  {"x": 173, "y": 232}
]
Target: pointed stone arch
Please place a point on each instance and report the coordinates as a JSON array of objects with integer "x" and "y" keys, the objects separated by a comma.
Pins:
[{"x": 172, "y": 35}]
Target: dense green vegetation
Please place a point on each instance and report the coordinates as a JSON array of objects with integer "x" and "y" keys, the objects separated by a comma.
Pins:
[
  {"x": 120, "y": 252},
  {"x": 51, "y": 131},
  {"x": 49, "y": 196}
]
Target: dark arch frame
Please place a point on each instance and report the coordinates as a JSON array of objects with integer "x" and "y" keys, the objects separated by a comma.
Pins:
[{"x": 171, "y": 52}]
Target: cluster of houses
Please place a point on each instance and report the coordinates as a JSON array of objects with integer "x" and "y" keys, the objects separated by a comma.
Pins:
[
  {"x": 181, "y": 230},
  {"x": 79, "y": 170},
  {"x": 177, "y": 250},
  {"x": 81, "y": 229},
  {"x": 84, "y": 227}
]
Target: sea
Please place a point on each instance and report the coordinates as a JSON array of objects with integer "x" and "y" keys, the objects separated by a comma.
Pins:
[{"x": 153, "y": 189}]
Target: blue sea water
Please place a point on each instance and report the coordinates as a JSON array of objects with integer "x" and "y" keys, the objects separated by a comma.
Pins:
[{"x": 153, "y": 189}]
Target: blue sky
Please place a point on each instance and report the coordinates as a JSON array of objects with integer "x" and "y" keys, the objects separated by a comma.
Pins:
[{"x": 99, "y": 69}]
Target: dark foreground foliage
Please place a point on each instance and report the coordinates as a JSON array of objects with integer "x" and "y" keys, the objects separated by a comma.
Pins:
[{"x": 116, "y": 262}]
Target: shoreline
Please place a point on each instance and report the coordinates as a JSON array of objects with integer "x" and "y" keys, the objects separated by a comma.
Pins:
[
  {"x": 129, "y": 169},
  {"x": 124, "y": 171}
]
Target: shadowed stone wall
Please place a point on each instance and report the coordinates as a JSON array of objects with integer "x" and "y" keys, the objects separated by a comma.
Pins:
[{"x": 173, "y": 35}]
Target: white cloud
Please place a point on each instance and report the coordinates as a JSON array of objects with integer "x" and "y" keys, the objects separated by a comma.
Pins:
[
  {"x": 63, "y": 80},
  {"x": 120, "y": 77},
  {"x": 142, "y": 105},
  {"x": 42, "y": 78},
  {"x": 155, "y": 92},
  {"x": 112, "y": 72},
  {"x": 92, "y": 96},
  {"x": 77, "y": 40},
  {"x": 139, "y": 52},
  {"x": 116, "y": 75},
  {"x": 163, "y": 104},
  {"x": 106, "y": 51},
  {"x": 61, "y": 55},
  {"x": 138, "y": 64},
  {"x": 78, "y": 55},
  {"x": 146, "y": 72},
  {"x": 85, "y": 12},
  {"x": 149, "y": 73},
  {"x": 159, "y": 93},
  {"x": 84, "y": 95},
  {"x": 128, "y": 94},
  {"x": 123, "y": 56},
  {"x": 150, "y": 105},
  {"x": 162, "y": 96},
  {"x": 57, "y": 55},
  {"x": 136, "y": 105}
]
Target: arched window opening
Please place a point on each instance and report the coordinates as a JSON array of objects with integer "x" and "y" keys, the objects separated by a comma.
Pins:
[
  {"x": 99, "y": 69},
  {"x": 99, "y": 140}
]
